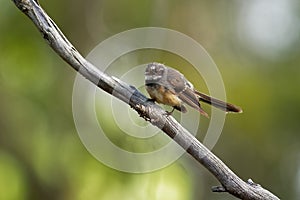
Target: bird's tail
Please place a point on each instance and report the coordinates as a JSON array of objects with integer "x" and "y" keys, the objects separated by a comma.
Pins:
[{"x": 218, "y": 103}]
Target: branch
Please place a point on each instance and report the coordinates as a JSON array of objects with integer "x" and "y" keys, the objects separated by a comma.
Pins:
[{"x": 151, "y": 112}]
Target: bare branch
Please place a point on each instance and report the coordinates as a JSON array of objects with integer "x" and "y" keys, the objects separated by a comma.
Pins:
[{"x": 231, "y": 183}]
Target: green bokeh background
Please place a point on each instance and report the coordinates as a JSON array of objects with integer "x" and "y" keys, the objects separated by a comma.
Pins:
[{"x": 255, "y": 45}]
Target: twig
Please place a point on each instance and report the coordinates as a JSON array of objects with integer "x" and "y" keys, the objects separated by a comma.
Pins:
[{"x": 231, "y": 183}]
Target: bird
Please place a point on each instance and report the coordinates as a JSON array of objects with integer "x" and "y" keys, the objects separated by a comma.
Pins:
[{"x": 168, "y": 86}]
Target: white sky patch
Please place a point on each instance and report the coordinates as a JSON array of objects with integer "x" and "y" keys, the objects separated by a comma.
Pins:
[{"x": 268, "y": 27}]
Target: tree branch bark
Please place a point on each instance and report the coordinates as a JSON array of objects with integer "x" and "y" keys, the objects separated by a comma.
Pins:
[{"x": 151, "y": 112}]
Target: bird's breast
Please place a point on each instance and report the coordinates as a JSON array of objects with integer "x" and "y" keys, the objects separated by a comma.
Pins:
[{"x": 162, "y": 95}]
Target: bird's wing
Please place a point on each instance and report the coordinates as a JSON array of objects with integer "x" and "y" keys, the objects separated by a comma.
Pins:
[
  {"x": 175, "y": 81},
  {"x": 188, "y": 96},
  {"x": 183, "y": 89}
]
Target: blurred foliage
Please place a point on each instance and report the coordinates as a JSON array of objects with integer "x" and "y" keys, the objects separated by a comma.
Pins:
[{"x": 41, "y": 155}]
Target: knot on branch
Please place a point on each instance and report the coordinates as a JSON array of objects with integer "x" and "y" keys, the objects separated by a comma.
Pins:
[
  {"x": 250, "y": 182},
  {"x": 218, "y": 189}
]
